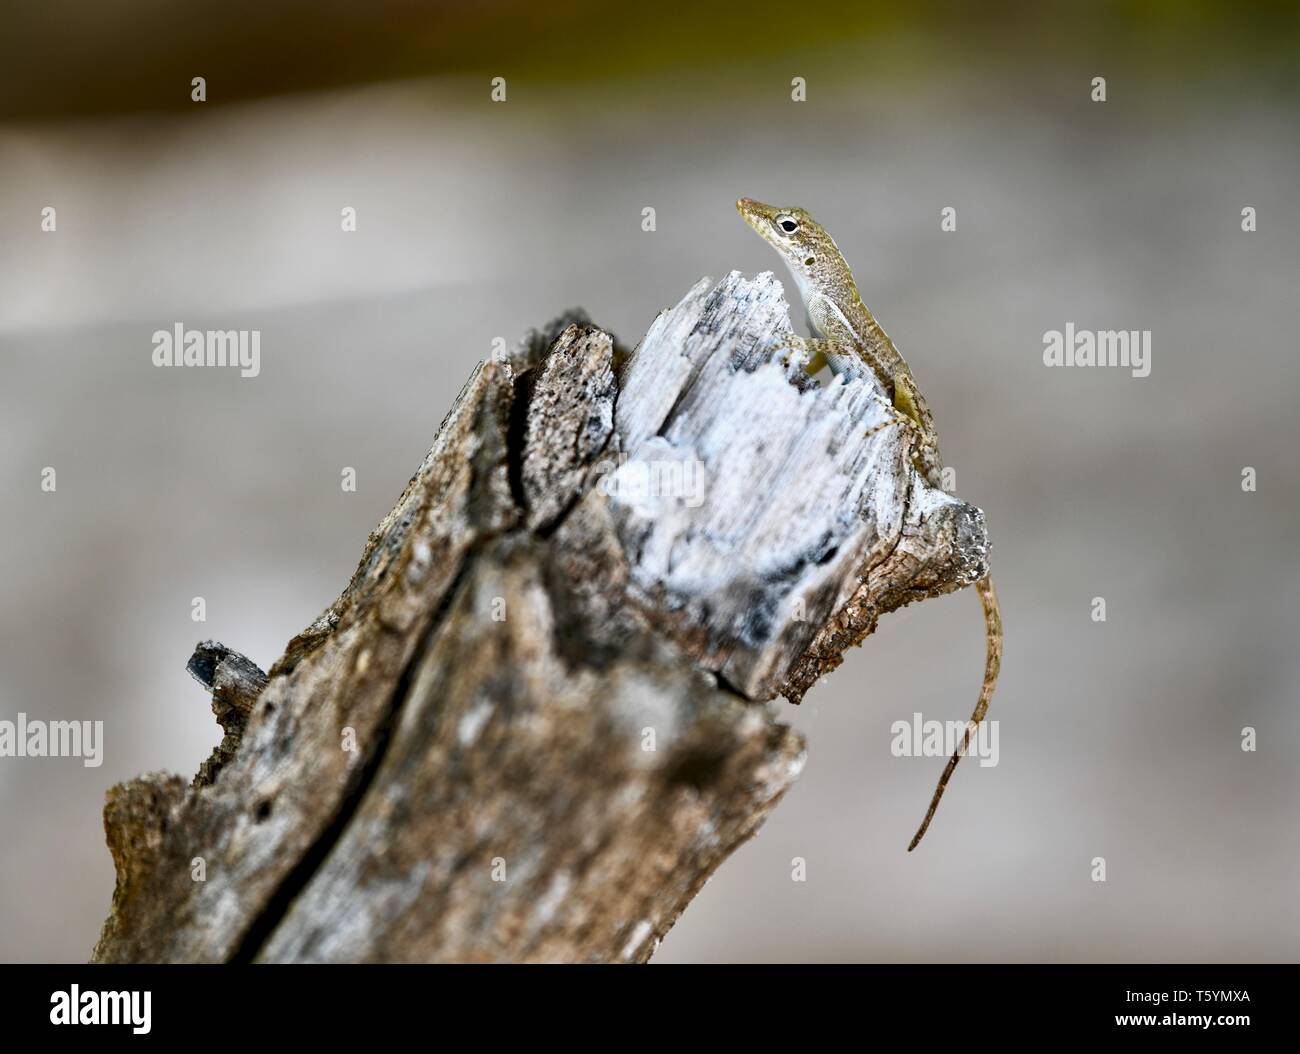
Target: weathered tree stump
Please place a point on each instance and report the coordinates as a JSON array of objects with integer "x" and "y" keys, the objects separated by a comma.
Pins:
[{"x": 537, "y": 718}]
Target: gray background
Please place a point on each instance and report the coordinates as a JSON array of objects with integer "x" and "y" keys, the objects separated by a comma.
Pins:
[{"x": 1119, "y": 739}]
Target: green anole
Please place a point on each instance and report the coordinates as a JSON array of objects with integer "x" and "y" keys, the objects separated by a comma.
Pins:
[{"x": 847, "y": 336}]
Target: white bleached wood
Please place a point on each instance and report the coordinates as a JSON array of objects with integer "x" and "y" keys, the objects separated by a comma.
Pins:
[{"x": 539, "y": 770}]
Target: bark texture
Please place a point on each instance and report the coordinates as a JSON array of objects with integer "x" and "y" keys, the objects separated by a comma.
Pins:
[{"x": 539, "y": 715}]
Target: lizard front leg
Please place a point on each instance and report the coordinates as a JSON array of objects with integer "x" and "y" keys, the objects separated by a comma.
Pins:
[
  {"x": 908, "y": 409},
  {"x": 845, "y": 359},
  {"x": 804, "y": 350}
]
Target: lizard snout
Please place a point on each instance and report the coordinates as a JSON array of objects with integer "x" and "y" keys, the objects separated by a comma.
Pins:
[{"x": 750, "y": 210}]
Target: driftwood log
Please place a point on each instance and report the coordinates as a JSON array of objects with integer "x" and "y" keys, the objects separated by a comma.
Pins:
[{"x": 537, "y": 718}]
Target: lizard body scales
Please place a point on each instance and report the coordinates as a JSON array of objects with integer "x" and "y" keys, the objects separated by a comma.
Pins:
[{"x": 847, "y": 337}]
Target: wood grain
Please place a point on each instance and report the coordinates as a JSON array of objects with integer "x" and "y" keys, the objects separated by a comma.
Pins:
[{"x": 540, "y": 714}]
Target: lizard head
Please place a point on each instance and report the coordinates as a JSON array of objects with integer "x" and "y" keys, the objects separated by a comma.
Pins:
[{"x": 810, "y": 253}]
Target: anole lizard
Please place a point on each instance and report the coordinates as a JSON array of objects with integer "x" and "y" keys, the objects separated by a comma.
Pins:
[{"x": 847, "y": 337}]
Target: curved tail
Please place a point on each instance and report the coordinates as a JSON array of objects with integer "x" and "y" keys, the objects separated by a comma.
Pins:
[{"x": 992, "y": 664}]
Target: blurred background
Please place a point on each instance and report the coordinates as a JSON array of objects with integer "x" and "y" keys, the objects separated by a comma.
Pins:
[{"x": 477, "y": 220}]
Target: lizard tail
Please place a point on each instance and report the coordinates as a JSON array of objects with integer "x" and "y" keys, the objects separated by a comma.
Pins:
[{"x": 992, "y": 664}]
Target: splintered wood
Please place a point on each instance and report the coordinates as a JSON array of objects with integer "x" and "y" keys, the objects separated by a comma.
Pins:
[{"x": 537, "y": 718}]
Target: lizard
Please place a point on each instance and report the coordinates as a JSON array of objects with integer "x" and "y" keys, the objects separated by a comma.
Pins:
[{"x": 846, "y": 337}]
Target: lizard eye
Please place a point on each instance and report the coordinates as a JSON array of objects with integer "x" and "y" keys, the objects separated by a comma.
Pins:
[{"x": 788, "y": 225}]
